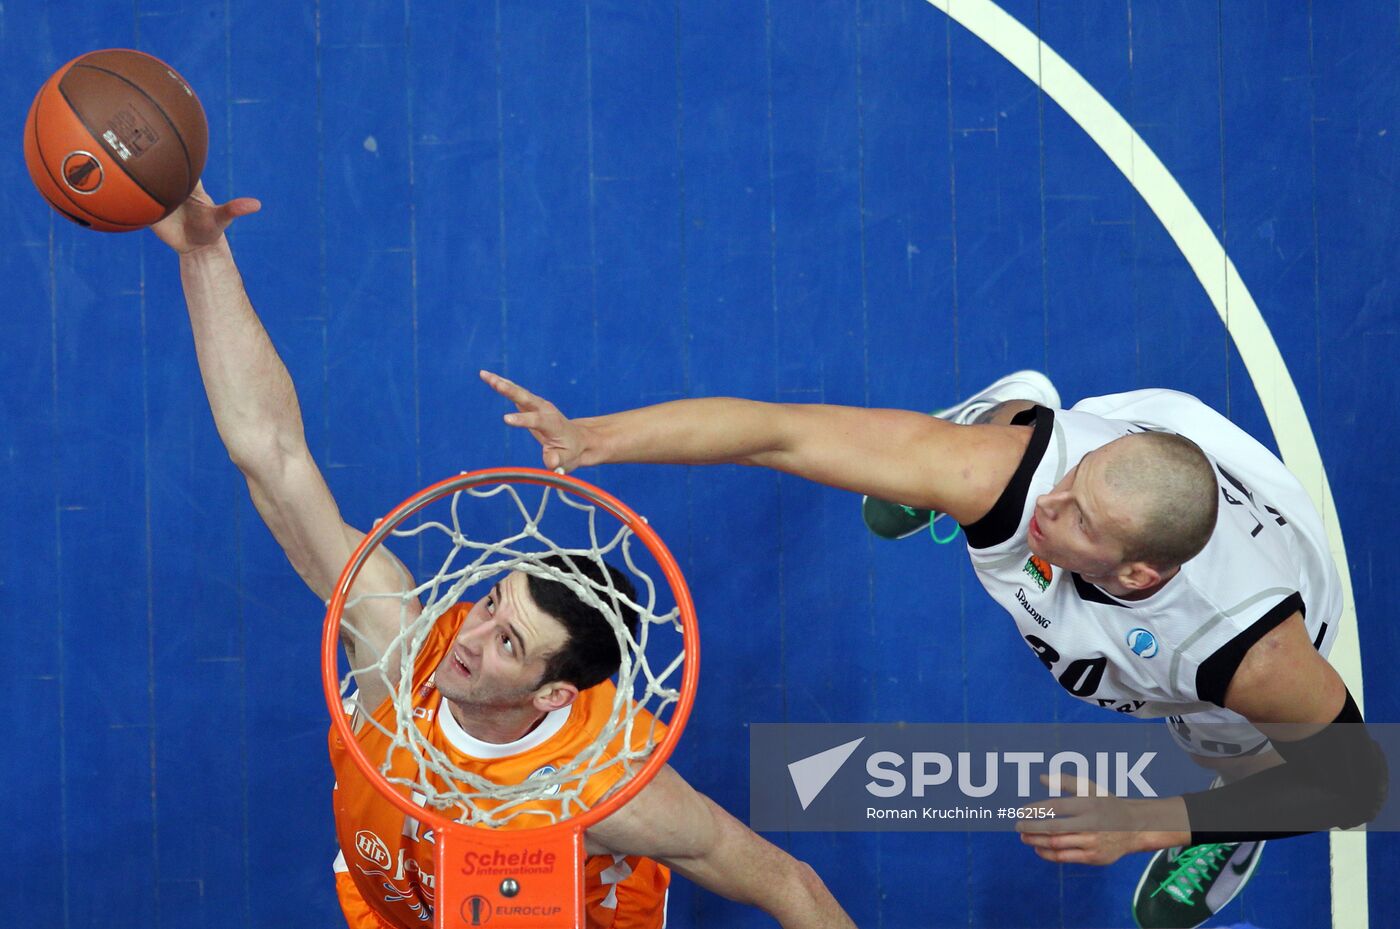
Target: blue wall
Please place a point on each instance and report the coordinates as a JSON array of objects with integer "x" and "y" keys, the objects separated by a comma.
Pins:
[{"x": 849, "y": 201}]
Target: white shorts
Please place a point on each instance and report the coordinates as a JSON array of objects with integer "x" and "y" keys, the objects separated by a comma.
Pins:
[{"x": 1216, "y": 733}]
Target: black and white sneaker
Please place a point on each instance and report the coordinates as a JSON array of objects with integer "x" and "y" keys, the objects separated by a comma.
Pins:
[
  {"x": 896, "y": 521},
  {"x": 1183, "y": 887}
]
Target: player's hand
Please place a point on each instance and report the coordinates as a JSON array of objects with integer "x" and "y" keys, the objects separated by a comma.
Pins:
[
  {"x": 1086, "y": 829},
  {"x": 200, "y": 222},
  {"x": 562, "y": 441}
]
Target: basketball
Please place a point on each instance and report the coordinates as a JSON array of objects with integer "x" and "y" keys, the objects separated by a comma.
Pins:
[{"x": 115, "y": 140}]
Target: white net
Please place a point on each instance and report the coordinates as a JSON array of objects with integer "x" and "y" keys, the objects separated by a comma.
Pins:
[{"x": 455, "y": 544}]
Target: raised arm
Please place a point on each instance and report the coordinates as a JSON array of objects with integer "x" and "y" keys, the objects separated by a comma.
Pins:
[
  {"x": 898, "y": 455},
  {"x": 671, "y": 822},
  {"x": 259, "y": 420}
]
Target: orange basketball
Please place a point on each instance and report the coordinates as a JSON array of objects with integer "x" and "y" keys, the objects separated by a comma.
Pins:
[{"x": 115, "y": 140}]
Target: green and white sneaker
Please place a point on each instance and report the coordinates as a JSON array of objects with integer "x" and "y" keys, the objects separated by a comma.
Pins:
[
  {"x": 896, "y": 521},
  {"x": 1183, "y": 887}
]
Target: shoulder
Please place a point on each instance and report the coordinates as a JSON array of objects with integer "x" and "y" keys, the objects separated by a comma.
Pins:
[
  {"x": 1282, "y": 678},
  {"x": 439, "y": 640},
  {"x": 631, "y": 742},
  {"x": 594, "y": 714},
  {"x": 379, "y": 688},
  {"x": 1027, "y": 462},
  {"x": 1014, "y": 455}
]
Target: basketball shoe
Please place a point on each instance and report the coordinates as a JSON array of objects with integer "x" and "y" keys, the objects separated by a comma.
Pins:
[
  {"x": 896, "y": 521},
  {"x": 1183, "y": 887}
]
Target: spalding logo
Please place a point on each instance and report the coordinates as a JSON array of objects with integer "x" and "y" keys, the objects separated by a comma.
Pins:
[
  {"x": 372, "y": 848},
  {"x": 181, "y": 81},
  {"x": 82, "y": 172}
]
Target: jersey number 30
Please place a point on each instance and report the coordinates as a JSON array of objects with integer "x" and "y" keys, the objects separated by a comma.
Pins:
[{"x": 1080, "y": 677}]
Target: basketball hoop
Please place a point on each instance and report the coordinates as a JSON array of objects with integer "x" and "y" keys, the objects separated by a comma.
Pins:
[{"x": 511, "y": 855}]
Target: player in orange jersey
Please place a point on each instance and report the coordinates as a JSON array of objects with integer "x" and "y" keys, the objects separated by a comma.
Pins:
[
  {"x": 478, "y": 698},
  {"x": 512, "y": 670}
]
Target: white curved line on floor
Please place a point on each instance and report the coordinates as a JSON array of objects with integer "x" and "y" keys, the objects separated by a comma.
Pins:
[{"x": 1243, "y": 321}]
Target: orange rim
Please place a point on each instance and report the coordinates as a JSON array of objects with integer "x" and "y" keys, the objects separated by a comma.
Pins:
[{"x": 690, "y": 636}]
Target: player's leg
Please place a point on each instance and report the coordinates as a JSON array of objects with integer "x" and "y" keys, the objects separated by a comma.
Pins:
[
  {"x": 997, "y": 403},
  {"x": 1186, "y": 886}
]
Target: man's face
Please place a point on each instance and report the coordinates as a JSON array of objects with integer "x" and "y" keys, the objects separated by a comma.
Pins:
[
  {"x": 1077, "y": 524},
  {"x": 500, "y": 652}
]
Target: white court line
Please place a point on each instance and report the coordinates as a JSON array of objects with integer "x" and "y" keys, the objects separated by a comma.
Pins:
[{"x": 1245, "y": 324}]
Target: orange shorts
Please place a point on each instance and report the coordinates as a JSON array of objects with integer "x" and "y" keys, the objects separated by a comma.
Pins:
[
  {"x": 358, "y": 915},
  {"x": 641, "y": 902}
]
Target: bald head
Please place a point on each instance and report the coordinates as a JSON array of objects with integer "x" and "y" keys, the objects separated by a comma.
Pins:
[{"x": 1168, "y": 489}]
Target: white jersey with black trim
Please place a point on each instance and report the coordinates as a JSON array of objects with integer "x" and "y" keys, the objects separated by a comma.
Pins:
[{"x": 1174, "y": 652}]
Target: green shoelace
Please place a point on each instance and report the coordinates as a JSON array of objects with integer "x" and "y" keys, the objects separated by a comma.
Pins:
[
  {"x": 932, "y": 533},
  {"x": 1195, "y": 867}
]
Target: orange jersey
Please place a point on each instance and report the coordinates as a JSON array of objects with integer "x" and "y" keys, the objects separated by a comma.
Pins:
[{"x": 389, "y": 857}]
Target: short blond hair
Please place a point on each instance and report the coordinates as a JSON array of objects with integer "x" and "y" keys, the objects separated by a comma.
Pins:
[{"x": 1174, "y": 495}]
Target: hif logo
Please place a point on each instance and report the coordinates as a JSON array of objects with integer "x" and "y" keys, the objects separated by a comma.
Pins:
[
  {"x": 372, "y": 848},
  {"x": 1142, "y": 642}
]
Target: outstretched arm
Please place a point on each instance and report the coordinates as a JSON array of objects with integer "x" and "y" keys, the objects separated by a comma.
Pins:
[
  {"x": 896, "y": 455},
  {"x": 259, "y": 420},
  {"x": 669, "y": 821}
]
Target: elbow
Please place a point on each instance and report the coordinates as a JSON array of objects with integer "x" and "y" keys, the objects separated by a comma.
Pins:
[
  {"x": 779, "y": 436},
  {"x": 1371, "y": 790},
  {"x": 804, "y": 882},
  {"x": 1358, "y": 787},
  {"x": 820, "y": 899},
  {"x": 248, "y": 461},
  {"x": 263, "y": 455},
  {"x": 1361, "y": 810},
  {"x": 811, "y": 881}
]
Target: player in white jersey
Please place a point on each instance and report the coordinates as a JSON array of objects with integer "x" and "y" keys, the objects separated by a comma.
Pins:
[
  {"x": 1157, "y": 560},
  {"x": 1155, "y": 656}
]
